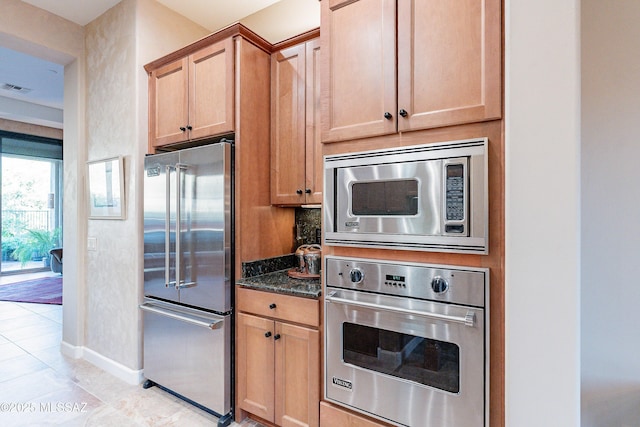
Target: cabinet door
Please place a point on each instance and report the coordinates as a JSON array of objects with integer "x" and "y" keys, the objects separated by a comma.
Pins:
[
  {"x": 255, "y": 365},
  {"x": 288, "y": 126},
  {"x": 313, "y": 170},
  {"x": 211, "y": 90},
  {"x": 297, "y": 369},
  {"x": 168, "y": 113},
  {"x": 359, "y": 69},
  {"x": 449, "y": 62}
]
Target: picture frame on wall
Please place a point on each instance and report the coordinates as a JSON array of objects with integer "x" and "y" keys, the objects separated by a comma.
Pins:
[{"x": 106, "y": 188}]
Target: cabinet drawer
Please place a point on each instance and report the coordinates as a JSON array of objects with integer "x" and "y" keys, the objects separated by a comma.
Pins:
[{"x": 278, "y": 306}]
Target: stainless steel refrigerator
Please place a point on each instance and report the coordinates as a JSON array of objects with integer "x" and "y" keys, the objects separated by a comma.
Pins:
[{"x": 188, "y": 274}]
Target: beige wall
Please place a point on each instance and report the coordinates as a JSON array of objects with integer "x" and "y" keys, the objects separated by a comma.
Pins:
[
  {"x": 47, "y": 36},
  {"x": 542, "y": 213},
  {"x": 285, "y": 19},
  {"x": 118, "y": 44},
  {"x": 610, "y": 212},
  {"x": 111, "y": 295}
]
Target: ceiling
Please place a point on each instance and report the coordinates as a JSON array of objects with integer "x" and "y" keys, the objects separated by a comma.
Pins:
[{"x": 31, "y": 89}]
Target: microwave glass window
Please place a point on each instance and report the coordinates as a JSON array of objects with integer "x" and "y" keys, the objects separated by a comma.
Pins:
[
  {"x": 422, "y": 360},
  {"x": 398, "y": 197}
]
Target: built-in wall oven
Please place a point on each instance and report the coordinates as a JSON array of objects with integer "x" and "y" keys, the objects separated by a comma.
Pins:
[
  {"x": 407, "y": 343},
  {"x": 430, "y": 197}
]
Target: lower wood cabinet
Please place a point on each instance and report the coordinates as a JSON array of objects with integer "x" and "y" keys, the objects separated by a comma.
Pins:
[
  {"x": 331, "y": 416},
  {"x": 278, "y": 363}
]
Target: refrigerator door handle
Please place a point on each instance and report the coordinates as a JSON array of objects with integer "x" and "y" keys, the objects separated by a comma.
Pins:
[
  {"x": 178, "y": 227},
  {"x": 184, "y": 317},
  {"x": 167, "y": 227},
  {"x": 179, "y": 168}
]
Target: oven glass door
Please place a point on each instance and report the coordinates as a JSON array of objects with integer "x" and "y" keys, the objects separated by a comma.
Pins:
[
  {"x": 407, "y": 361},
  {"x": 421, "y": 360}
]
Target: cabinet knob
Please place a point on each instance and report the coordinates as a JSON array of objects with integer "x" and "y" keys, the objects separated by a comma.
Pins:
[
  {"x": 307, "y": 190},
  {"x": 298, "y": 191},
  {"x": 182, "y": 128},
  {"x": 388, "y": 116},
  {"x": 276, "y": 337},
  {"x": 267, "y": 334},
  {"x": 403, "y": 112},
  {"x": 189, "y": 127},
  {"x": 272, "y": 306}
]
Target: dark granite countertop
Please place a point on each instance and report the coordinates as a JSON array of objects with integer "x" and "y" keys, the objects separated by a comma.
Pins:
[{"x": 280, "y": 282}]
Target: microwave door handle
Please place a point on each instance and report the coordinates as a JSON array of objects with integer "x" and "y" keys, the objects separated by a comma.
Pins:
[{"x": 468, "y": 320}]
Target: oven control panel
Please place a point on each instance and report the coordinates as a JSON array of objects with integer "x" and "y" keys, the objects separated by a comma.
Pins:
[{"x": 454, "y": 284}]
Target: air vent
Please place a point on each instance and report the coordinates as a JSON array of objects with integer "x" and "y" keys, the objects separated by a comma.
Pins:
[{"x": 15, "y": 88}]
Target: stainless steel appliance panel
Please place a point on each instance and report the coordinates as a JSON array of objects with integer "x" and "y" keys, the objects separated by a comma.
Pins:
[
  {"x": 205, "y": 227},
  {"x": 187, "y": 226},
  {"x": 431, "y": 197},
  {"x": 407, "y": 342},
  {"x": 388, "y": 393},
  {"x": 404, "y": 181},
  {"x": 187, "y": 351},
  {"x": 160, "y": 226},
  {"x": 407, "y": 279}
]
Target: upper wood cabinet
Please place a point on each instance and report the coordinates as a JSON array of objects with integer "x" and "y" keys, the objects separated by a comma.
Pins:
[
  {"x": 193, "y": 97},
  {"x": 296, "y": 152},
  {"x": 448, "y": 69}
]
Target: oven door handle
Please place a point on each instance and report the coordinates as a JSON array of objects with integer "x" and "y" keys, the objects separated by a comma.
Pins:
[{"x": 468, "y": 320}]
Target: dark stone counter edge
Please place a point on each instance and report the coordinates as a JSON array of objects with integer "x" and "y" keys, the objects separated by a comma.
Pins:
[{"x": 280, "y": 282}]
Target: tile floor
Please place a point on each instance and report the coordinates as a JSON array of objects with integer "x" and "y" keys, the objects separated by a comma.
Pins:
[{"x": 41, "y": 387}]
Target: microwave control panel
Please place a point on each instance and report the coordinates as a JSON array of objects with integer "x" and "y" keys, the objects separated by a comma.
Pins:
[{"x": 455, "y": 197}]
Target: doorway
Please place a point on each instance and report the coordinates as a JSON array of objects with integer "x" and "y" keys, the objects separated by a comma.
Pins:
[{"x": 31, "y": 215}]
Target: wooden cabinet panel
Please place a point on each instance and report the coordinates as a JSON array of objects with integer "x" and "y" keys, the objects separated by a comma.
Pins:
[
  {"x": 313, "y": 170},
  {"x": 359, "y": 70},
  {"x": 168, "y": 95},
  {"x": 449, "y": 62},
  {"x": 193, "y": 97},
  {"x": 449, "y": 59},
  {"x": 285, "y": 307},
  {"x": 288, "y": 125},
  {"x": 211, "y": 90},
  {"x": 255, "y": 365},
  {"x": 296, "y": 153},
  {"x": 278, "y": 364},
  {"x": 331, "y": 415},
  {"x": 297, "y": 373}
]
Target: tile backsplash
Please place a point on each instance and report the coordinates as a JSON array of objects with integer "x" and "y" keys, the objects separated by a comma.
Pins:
[{"x": 308, "y": 226}]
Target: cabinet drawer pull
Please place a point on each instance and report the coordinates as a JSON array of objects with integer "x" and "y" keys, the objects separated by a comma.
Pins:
[
  {"x": 267, "y": 334},
  {"x": 388, "y": 116},
  {"x": 276, "y": 337},
  {"x": 298, "y": 191},
  {"x": 182, "y": 128},
  {"x": 403, "y": 112},
  {"x": 272, "y": 306},
  {"x": 189, "y": 127},
  {"x": 308, "y": 191}
]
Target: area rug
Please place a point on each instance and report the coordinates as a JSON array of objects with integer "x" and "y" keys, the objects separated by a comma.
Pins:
[{"x": 47, "y": 290}]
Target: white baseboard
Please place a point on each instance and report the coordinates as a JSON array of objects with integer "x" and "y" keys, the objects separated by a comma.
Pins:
[
  {"x": 72, "y": 351},
  {"x": 130, "y": 376}
]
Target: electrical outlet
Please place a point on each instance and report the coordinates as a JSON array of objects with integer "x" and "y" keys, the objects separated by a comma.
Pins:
[{"x": 92, "y": 243}]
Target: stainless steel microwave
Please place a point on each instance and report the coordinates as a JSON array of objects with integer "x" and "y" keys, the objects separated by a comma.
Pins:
[{"x": 431, "y": 197}]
